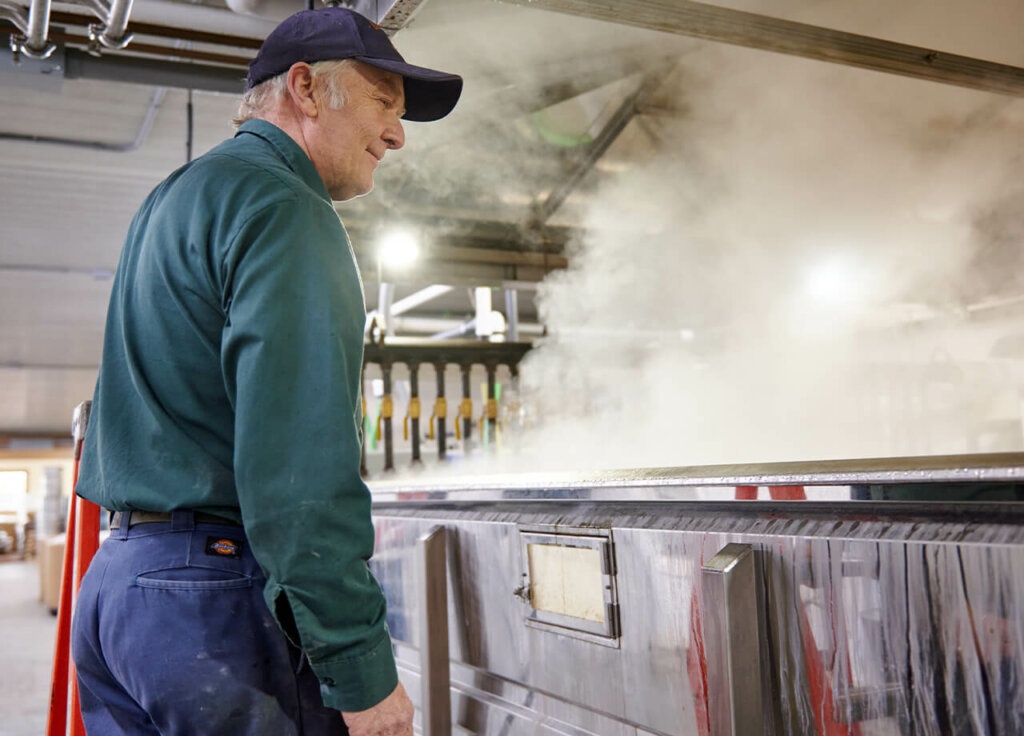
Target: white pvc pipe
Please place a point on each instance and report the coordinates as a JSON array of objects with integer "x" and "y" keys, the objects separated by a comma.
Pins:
[
  {"x": 483, "y": 311},
  {"x": 418, "y": 298}
]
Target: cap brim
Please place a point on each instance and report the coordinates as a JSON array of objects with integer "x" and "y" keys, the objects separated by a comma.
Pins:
[{"x": 429, "y": 94}]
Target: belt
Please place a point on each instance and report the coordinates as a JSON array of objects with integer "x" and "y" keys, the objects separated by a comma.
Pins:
[{"x": 154, "y": 517}]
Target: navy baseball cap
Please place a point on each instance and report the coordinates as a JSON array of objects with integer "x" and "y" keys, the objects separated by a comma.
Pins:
[{"x": 328, "y": 34}]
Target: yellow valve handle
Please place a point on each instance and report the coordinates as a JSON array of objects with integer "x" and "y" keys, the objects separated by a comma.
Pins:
[
  {"x": 413, "y": 413},
  {"x": 440, "y": 411},
  {"x": 387, "y": 410},
  {"x": 364, "y": 407},
  {"x": 465, "y": 412}
]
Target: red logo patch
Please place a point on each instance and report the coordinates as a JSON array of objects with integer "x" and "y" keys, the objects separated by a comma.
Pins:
[{"x": 221, "y": 547}]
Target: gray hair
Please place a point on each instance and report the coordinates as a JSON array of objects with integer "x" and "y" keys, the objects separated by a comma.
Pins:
[{"x": 265, "y": 95}]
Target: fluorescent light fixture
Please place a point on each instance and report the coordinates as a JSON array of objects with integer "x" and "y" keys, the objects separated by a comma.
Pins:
[{"x": 398, "y": 248}]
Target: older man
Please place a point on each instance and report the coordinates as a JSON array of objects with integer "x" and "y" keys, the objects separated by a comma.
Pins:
[{"x": 233, "y": 596}]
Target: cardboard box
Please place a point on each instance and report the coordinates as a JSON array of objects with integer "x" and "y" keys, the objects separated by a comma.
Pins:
[{"x": 51, "y": 560}]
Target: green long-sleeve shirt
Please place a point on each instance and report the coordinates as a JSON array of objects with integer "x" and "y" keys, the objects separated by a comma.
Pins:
[{"x": 230, "y": 384}]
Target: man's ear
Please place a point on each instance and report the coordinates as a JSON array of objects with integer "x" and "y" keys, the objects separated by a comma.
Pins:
[{"x": 300, "y": 89}]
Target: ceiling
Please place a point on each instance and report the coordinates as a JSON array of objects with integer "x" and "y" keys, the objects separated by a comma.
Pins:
[{"x": 557, "y": 106}]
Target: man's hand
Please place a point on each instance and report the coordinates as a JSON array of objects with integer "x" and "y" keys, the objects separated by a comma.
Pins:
[{"x": 390, "y": 717}]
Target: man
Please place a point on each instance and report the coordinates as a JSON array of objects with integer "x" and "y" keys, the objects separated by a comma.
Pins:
[{"x": 234, "y": 596}]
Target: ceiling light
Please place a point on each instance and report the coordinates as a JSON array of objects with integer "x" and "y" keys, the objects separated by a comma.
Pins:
[
  {"x": 833, "y": 282},
  {"x": 398, "y": 248}
]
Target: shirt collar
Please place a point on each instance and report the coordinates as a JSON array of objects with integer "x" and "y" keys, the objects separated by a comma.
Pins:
[{"x": 289, "y": 151}]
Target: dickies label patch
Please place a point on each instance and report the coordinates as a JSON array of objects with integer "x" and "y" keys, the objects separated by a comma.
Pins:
[{"x": 222, "y": 547}]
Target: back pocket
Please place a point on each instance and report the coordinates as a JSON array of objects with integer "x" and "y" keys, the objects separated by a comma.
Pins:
[{"x": 193, "y": 578}]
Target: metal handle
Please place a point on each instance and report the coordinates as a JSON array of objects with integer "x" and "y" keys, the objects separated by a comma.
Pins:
[
  {"x": 435, "y": 676},
  {"x": 733, "y": 624}
]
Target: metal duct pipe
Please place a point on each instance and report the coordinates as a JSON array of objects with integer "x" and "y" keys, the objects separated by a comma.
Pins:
[
  {"x": 113, "y": 33},
  {"x": 38, "y": 30}
]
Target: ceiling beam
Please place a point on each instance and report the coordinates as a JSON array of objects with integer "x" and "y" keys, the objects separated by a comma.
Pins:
[
  {"x": 714, "y": 23},
  {"x": 599, "y": 146},
  {"x": 438, "y": 225}
]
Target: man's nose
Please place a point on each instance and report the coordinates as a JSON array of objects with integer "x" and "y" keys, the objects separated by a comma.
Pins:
[{"x": 394, "y": 135}]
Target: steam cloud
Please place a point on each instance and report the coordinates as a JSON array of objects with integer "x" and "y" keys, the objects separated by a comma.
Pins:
[
  {"x": 783, "y": 259},
  {"x": 808, "y": 267}
]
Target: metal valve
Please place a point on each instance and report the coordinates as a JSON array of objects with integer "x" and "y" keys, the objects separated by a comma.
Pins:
[
  {"x": 387, "y": 410},
  {"x": 440, "y": 411},
  {"x": 413, "y": 413}
]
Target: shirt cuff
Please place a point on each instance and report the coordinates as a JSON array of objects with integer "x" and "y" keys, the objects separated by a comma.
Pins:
[{"x": 356, "y": 683}]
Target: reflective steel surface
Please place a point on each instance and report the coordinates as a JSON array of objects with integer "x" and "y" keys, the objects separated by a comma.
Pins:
[
  {"x": 888, "y": 618},
  {"x": 991, "y": 477}
]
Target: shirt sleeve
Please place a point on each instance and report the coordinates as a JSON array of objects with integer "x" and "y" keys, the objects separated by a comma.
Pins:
[{"x": 292, "y": 357}]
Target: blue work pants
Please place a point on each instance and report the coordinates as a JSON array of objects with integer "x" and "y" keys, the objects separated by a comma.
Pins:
[{"x": 172, "y": 636}]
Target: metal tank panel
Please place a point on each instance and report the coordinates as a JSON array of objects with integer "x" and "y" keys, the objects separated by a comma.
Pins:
[{"x": 873, "y": 618}]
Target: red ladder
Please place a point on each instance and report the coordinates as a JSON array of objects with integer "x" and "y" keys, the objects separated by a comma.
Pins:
[{"x": 83, "y": 539}]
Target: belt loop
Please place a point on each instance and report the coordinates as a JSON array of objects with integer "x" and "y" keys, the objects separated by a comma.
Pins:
[
  {"x": 182, "y": 521},
  {"x": 122, "y": 531}
]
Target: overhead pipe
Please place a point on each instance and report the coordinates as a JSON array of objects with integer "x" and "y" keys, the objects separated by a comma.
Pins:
[
  {"x": 445, "y": 327},
  {"x": 36, "y": 43},
  {"x": 458, "y": 331},
  {"x": 177, "y": 27},
  {"x": 420, "y": 298},
  {"x": 406, "y": 304},
  {"x": 114, "y": 33}
]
